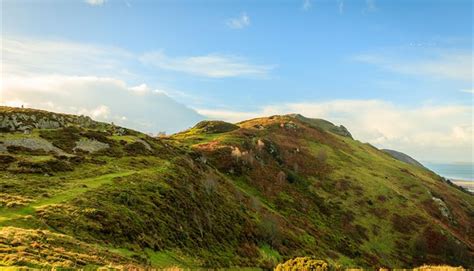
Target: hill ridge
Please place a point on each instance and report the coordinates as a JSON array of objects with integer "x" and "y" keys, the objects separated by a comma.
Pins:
[{"x": 250, "y": 194}]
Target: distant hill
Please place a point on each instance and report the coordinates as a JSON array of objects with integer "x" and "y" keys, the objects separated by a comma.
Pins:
[
  {"x": 76, "y": 193},
  {"x": 402, "y": 157}
]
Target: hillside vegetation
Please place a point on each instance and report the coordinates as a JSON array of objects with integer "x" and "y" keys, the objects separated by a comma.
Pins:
[{"x": 79, "y": 193}]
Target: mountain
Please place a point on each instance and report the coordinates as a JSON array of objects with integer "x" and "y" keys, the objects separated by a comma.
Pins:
[
  {"x": 402, "y": 157},
  {"x": 80, "y": 193}
]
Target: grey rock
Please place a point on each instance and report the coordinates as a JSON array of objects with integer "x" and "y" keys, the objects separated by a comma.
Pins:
[
  {"x": 90, "y": 145},
  {"x": 31, "y": 143}
]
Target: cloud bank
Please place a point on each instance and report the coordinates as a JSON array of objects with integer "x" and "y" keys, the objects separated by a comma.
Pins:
[
  {"x": 83, "y": 79},
  {"x": 102, "y": 98}
]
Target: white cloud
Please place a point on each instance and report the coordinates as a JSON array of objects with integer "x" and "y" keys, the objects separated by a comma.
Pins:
[
  {"x": 82, "y": 79},
  {"x": 228, "y": 115},
  {"x": 95, "y": 2},
  {"x": 23, "y": 56},
  {"x": 240, "y": 22},
  {"x": 468, "y": 91},
  {"x": 30, "y": 57},
  {"x": 307, "y": 4},
  {"x": 140, "y": 89},
  {"x": 215, "y": 66},
  {"x": 431, "y": 133},
  {"x": 100, "y": 112},
  {"x": 16, "y": 103},
  {"x": 104, "y": 99},
  {"x": 454, "y": 66}
]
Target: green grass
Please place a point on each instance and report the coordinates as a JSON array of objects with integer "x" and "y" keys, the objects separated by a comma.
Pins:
[
  {"x": 269, "y": 254},
  {"x": 78, "y": 187},
  {"x": 128, "y": 138},
  {"x": 167, "y": 258},
  {"x": 123, "y": 251}
]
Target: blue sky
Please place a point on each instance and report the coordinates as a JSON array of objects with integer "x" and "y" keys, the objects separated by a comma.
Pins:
[{"x": 347, "y": 61}]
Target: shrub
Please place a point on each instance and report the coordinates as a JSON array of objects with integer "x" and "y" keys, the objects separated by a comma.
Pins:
[
  {"x": 97, "y": 135},
  {"x": 64, "y": 138},
  {"x": 303, "y": 264},
  {"x": 49, "y": 166},
  {"x": 212, "y": 127},
  {"x": 25, "y": 150},
  {"x": 5, "y": 160},
  {"x": 292, "y": 177},
  {"x": 269, "y": 230},
  {"x": 137, "y": 148}
]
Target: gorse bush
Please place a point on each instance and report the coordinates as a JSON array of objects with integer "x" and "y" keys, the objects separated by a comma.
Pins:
[
  {"x": 303, "y": 264},
  {"x": 438, "y": 268},
  {"x": 310, "y": 264}
]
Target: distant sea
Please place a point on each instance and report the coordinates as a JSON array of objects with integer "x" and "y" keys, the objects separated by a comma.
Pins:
[
  {"x": 463, "y": 172},
  {"x": 455, "y": 171}
]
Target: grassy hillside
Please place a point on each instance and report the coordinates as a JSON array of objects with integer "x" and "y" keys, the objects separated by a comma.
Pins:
[{"x": 252, "y": 194}]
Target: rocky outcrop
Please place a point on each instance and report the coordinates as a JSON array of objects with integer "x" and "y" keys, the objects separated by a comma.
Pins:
[
  {"x": 25, "y": 120},
  {"x": 324, "y": 125},
  {"x": 147, "y": 146},
  {"x": 90, "y": 145},
  {"x": 30, "y": 144},
  {"x": 28, "y": 121}
]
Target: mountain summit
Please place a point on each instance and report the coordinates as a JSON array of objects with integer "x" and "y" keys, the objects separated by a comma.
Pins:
[{"x": 80, "y": 193}]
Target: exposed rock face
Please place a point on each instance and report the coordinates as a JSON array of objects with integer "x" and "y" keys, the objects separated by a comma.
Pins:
[
  {"x": 323, "y": 124},
  {"x": 32, "y": 144},
  {"x": 90, "y": 145},
  {"x": 443, "y": 208},
  {"x": 289, "y": 125},
  {"x": 147, "y": 146},
  {"x": 402, "y": 157},
  {"x": 19, "y": 120},
  {"x": 343, "y": 131}
]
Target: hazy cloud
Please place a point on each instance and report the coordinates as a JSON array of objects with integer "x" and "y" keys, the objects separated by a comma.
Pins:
[
  {"x": 446, "y": 65},
  {"x": 340, "y": 6},
  {"x": 240, "y": 22},
  {"x": 468, "y": 91},
  {"x": 307, "y": 4},
  {"x": 95, "y": 2},
  {"x": 216, "y": 66},
  {"x": 30, "y": 56}
]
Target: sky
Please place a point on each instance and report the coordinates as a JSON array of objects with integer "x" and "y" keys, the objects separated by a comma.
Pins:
[{"x": 397, "y": 74}]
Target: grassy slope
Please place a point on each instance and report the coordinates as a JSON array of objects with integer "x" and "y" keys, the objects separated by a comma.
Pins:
[
  {"x": 194, "y": 200},
  {"x": 385, "y": 205}
]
